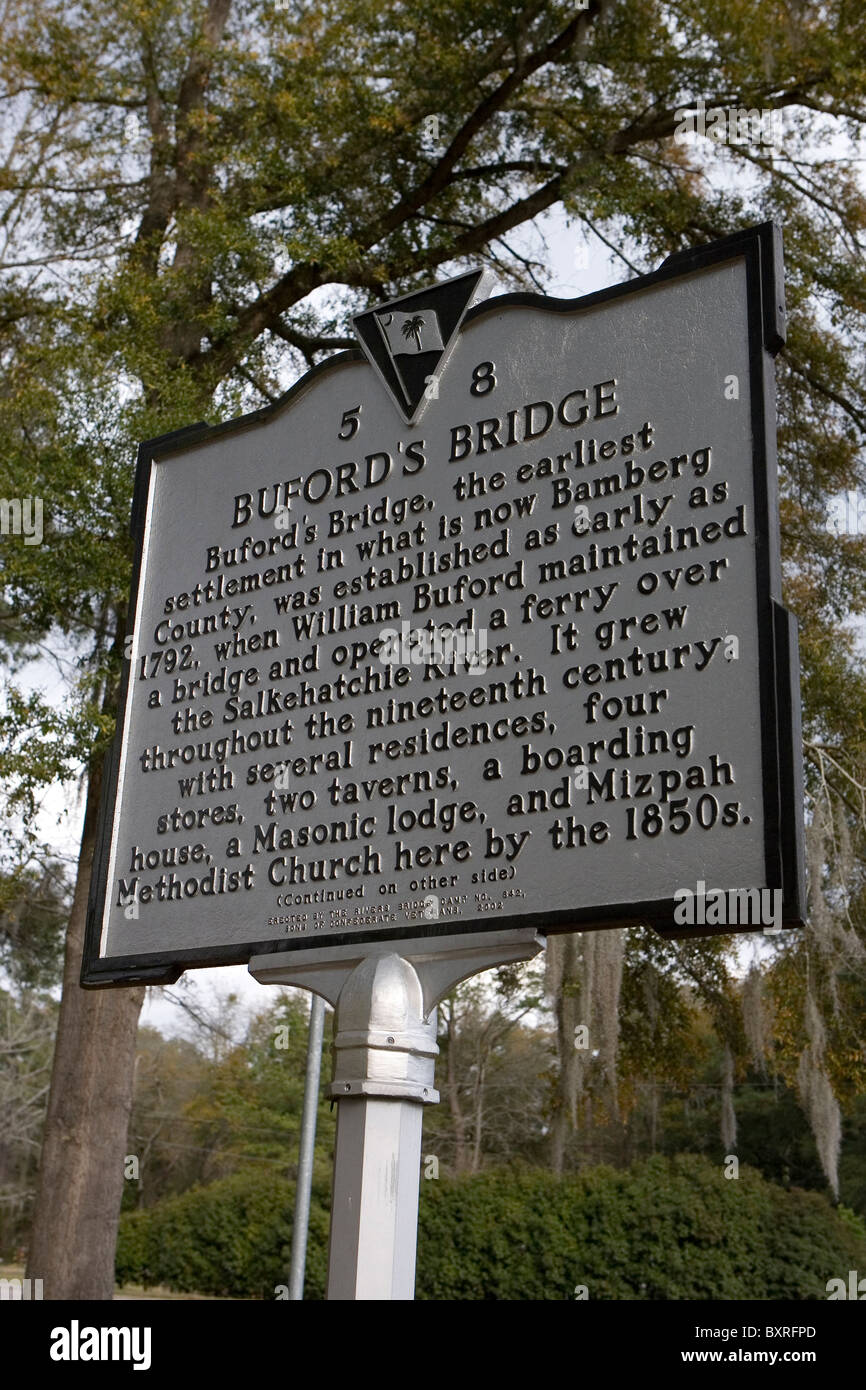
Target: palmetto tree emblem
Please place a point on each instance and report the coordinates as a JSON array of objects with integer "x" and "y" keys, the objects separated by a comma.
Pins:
[
  {"x": 412, "y": 329},
  {"x": 407, "y": 341}
]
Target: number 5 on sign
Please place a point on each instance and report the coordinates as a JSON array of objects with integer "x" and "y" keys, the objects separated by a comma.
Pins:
[{"x": 350, "y": 423}]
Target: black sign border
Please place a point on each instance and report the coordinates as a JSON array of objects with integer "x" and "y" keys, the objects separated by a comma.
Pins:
[{"x": 760, "y": 248}]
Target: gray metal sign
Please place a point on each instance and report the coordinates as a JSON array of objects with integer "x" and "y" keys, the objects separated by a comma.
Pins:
[{"x": 477, "y": 627}]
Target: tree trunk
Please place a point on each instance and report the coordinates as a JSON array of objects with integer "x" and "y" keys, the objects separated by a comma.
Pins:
[
  {"x": 564, "y": 1103},
  {"x": 478, "y": 1120},
  {"x": 72, "y": 1242},
  {"x": 458, "y": 1119}
]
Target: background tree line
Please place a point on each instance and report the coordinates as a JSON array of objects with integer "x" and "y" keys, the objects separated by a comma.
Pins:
[{"x": 223, "y": 1096}]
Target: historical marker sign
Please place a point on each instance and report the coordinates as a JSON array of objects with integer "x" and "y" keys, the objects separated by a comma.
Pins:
[{"x": 477, "y": 627}]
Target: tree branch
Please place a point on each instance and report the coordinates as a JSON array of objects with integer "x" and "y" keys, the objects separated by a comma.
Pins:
[
  {"x": 573, "y": 33},
  {"x": 824, "y": 389}
]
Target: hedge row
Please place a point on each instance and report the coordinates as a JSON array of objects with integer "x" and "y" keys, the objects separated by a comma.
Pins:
[
  {"x": 231, "y": 1239},
  {"x": 667, "y": 1228}
]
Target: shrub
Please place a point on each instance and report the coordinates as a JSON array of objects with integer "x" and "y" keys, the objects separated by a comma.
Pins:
[
  {"x": 666, "y": 1228},
  {"x": 231, "y": 1238}
]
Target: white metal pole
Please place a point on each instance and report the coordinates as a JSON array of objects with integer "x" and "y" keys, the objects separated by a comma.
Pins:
[
  {"x": 385, "y": 995},
  {"x": 306, "y": 1149},
  {"x": 384, "y": 1058}
]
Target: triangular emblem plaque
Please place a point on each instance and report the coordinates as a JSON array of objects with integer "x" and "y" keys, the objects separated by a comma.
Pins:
[{"x": 408, "y": 341}]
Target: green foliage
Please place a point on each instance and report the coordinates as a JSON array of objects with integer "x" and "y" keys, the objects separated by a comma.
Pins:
[
  {"x": 231, "y": 1239},
  {"x": 852, "y": 1164},
  {"x": 34, "y": 906},
  {"x": 772, "y": 1132},
  {"x": 203, "y": 1109},
  {"x": 664, "y": 1229},
  {"x": 259, "y": 1087}
]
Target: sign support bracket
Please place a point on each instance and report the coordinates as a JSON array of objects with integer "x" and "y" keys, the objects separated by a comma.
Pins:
[{"x": 384, "y": 995}]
